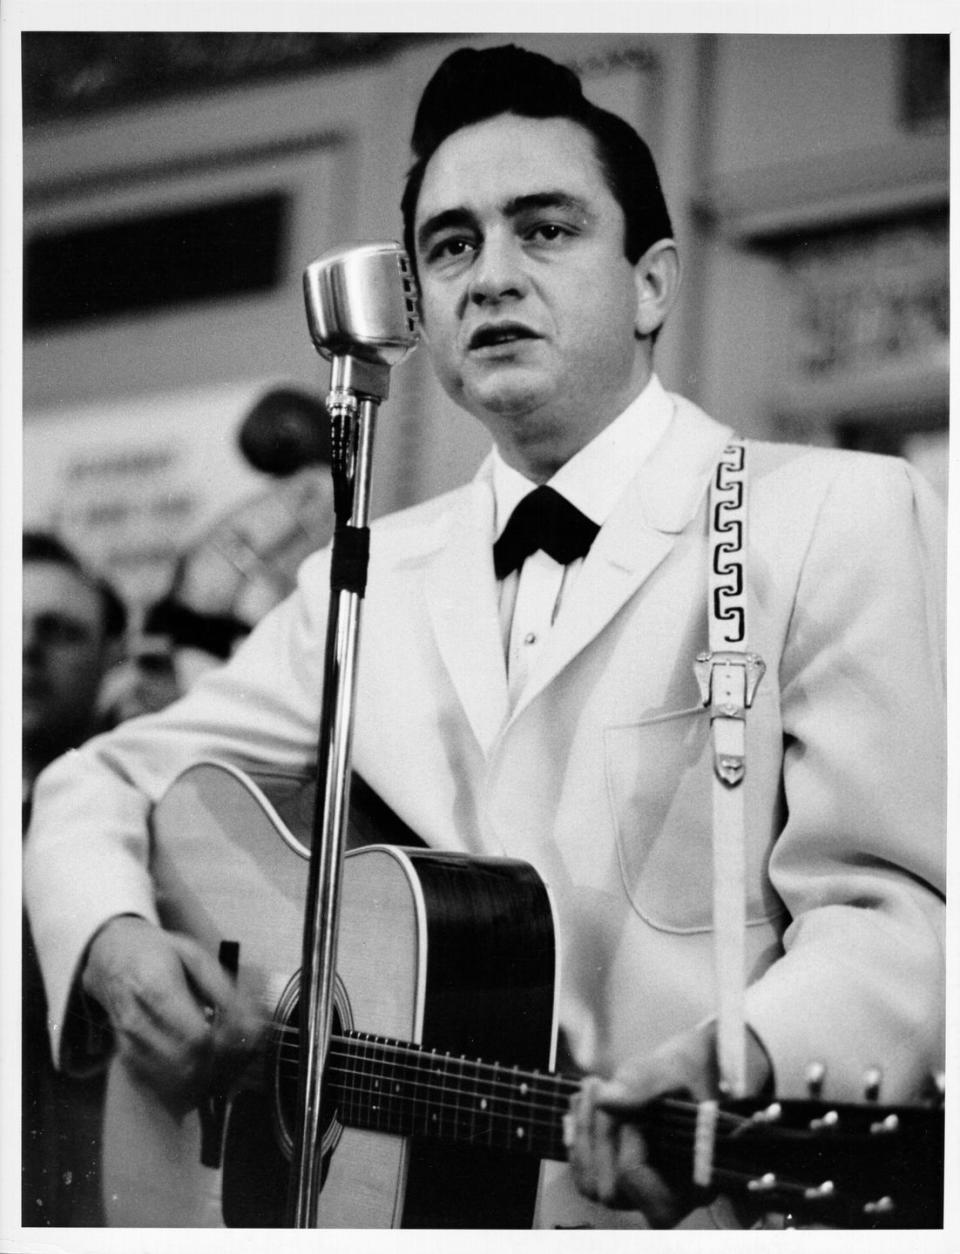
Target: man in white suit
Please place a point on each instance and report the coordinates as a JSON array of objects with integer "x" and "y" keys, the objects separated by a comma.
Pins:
[{"x": 548, "y": 709}]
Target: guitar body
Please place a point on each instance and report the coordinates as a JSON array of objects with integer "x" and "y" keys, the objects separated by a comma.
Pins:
[
  {"x": 451, "y": 952},
  {"x": 440, "y": 1098}
]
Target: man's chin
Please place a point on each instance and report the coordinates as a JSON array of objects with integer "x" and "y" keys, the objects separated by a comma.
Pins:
[{"x": 513, "y": 394}]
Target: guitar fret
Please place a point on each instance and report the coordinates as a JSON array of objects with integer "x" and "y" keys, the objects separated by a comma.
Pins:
[
  {"x": 510, "y": 1125},
  {"x": 354, "y": 1109},
  {"x": 423, "y": 1097},
  {"x": 364, "y": 1102},
  {"x": 474, "y": 1102},
  {"x": 395, "y": 1122},
  {"x": 439, "y": 1105},
  {"x": 371, "y": 1082}
]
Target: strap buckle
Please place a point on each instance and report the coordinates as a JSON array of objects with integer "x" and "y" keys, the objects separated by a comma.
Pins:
[{"x": 728, "y": 683}]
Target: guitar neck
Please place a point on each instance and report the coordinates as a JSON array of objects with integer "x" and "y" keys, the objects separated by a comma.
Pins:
[
  {"x": 391, "y": 1086},
  {"x": 407, "y": 1090},
  {"x": 839, "y": 1163}
]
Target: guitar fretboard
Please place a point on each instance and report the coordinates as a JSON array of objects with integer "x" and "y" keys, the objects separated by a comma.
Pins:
[
  {"x": 391, "y": 1086},
  {"x": 839, "y": 1163}
]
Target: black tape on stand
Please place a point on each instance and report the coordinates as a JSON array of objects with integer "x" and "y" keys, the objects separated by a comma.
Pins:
[{"x": 349, "y": 559}]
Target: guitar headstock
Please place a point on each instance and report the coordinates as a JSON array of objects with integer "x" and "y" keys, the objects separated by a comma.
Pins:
[{"x": 858, "y": 1165}]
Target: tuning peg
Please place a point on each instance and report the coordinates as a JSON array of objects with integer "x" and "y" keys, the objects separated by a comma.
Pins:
[
  {"x": 890, "y": 1124},
  {"x": 763, "y": 1184},
  {"x": 883, "y": 1206},
  {"x": 815, "y": 1076},
  {"x": 829, "y": 1121},
  {"x": 872, "y": 1078},
  {"x": 935, "y": 1088},
  {"x": 820, "y": 1192},
  {"x": 769, "y": 1114}
]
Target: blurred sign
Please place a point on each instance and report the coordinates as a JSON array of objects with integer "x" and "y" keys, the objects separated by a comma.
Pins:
[
  {"x": 129, "y": 484},
  {"x": 871, "y": 296}
]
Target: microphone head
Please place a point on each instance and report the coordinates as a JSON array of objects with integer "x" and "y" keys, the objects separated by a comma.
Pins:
[{"x": 362, "y": 301}]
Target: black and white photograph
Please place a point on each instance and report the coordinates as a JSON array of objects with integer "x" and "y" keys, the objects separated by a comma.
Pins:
[{"x": 475, "y": 517}]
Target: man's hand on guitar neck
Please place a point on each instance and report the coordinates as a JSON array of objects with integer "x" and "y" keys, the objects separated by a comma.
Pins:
[
  {"x": 606, "y": 1146},
  {"x": 179, "y": 1021}
]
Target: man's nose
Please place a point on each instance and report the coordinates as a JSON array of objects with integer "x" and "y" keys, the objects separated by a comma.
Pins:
[{"x": 498, "y": 271}]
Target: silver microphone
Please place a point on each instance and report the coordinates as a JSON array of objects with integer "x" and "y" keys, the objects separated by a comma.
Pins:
[{"x": 362, "y": 314}]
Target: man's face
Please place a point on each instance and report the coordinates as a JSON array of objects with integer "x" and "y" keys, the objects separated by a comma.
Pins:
[
  {"x": 65, "y": 655},
  {"x": 529, "y": 302}
]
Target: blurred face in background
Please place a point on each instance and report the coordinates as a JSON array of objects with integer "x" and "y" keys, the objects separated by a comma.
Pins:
[{"x": 65, "y": 655}]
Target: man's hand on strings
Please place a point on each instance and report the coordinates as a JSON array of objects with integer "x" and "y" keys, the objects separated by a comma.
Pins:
[
  {"x": 180, "y": 1023},
  {"x": 607, "y": 1149}
]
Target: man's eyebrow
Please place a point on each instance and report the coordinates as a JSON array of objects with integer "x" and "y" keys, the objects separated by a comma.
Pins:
[
  {"x": 441, "y": 221},
  {"x": 545, "y": 200},
  {"x": 512, "y": 208}
]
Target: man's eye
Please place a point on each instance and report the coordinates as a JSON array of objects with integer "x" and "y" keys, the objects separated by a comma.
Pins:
[
  {"x": 548, "y": 232},
  {"x": 453, "y": 247}
]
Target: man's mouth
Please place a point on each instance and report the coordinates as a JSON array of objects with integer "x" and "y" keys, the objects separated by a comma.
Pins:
[{"x": 497, "y": 334}]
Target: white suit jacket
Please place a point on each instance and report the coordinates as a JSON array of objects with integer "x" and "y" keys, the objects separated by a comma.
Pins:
[{"x": 600, "y": 776}]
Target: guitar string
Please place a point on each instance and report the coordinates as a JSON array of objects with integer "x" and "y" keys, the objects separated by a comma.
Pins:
[
  {"x": 462, "y": 1067},
  {"x": 673, "y": 1117},
  {"x": 514, "y": 1113},
  {"x": 664, "y": 1117},
  {"x": 669, "y": 1117},
  {"x": 417, "y": 1069},
  {"x": 673, "y": 1133},
  {"x": 508, "y": 1112},
  {"x": 420, "y": 1072},
  {"x": 494, "y": 1076},
  {"x": 729, "y": 1124}
]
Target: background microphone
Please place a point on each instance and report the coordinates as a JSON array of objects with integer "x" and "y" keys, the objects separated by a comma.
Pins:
[{"x": 362, "y": 314}]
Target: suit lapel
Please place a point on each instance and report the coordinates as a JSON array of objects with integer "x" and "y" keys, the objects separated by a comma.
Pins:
[
  {"x": 657, "y": 506},
  {"x": 461, "y": 597},
  {"x": 461, "y": 589}
]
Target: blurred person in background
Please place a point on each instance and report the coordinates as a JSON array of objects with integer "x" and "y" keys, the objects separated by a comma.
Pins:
[
  {"x": 73, "y": 632},
  {"x": 241, "y": 565}
]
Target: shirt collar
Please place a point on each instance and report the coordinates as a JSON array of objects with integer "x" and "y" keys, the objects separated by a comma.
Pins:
[{"x": 595, "y": 478}]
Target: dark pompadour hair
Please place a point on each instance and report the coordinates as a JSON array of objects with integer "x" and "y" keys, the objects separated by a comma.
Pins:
[
  {"x": 473, "y": 85},
  {"x": 43, "y": 546}
]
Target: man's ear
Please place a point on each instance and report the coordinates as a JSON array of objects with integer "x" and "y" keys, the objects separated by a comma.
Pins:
[{"x": 657, "y": 277}]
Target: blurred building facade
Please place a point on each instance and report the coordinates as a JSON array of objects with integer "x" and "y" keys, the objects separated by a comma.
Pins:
[{"x": 175, "y": 190}]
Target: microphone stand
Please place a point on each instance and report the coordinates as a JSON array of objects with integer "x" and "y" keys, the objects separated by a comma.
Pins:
[{"x": 356, "y": 389}]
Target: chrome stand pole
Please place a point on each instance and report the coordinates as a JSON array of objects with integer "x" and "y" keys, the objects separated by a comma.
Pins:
[
  {"x": 362, "y": 313},
  {"x": 318, "y": 975}
]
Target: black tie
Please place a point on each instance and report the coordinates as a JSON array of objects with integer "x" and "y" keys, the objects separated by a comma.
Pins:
[{"x": 543, "y": 520}]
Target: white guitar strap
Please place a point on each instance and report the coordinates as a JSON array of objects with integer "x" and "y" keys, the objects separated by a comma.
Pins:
[{"x": 728, "y": 676}]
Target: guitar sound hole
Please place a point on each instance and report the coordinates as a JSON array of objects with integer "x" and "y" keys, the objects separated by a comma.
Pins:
[{"x": 284, "y": 1067}]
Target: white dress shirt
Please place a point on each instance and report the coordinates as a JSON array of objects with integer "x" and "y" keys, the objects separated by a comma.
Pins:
[{"x": 594, "y": 479}]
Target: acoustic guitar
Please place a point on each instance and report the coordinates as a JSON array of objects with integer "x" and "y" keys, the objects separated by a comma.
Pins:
[{"x": 442, "y": 1101}]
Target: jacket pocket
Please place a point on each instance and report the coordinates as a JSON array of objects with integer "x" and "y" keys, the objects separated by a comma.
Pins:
[{"x": 659, "y": 778}]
